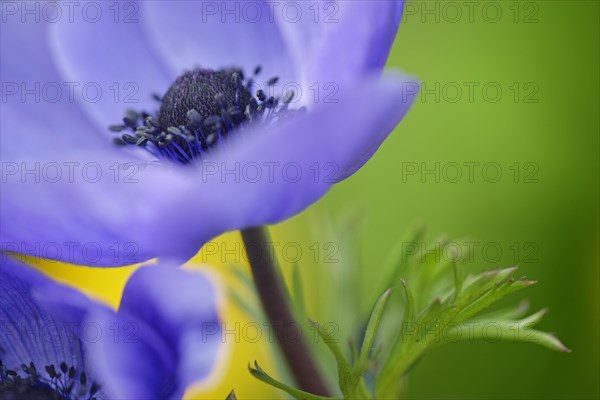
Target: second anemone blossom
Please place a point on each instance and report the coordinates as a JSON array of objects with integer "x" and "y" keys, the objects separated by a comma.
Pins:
[
  {"x": 178, "y": 121},
  {"x": 58, "y": 344}
]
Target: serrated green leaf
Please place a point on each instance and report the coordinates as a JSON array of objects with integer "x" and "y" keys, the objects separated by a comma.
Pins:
[
  {"x": 407, "y": 349},
  {"x": 493, "y": 331},
  {"x": 546, "y": 339},
  {"x": 430, "y": 313},
  {"x": 458, "y": 280},
  {"x": 483, "y": 282},
  {"x": 354, "y": 351},
  {"x": 347, "y": 381},
  {"x": 261, "y": 375},
  {"x": 370, "y": 332},
  {"x": 508, "y": 313},
  {"x": 533, "y": 319},
  {"x": 409, "y": 310},
  {"x": 492, "y": 296}
]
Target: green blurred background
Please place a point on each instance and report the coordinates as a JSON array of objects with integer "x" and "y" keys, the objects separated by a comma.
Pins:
[{"x": 548, "y": 129}]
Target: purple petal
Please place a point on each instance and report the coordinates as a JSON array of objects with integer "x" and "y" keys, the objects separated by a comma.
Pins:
[
  {"x": 218, "y": 34},
  {"x": 109, "y": 50},
  {"x": 43, "y": 140},
  {"x": 125, "y": 355},
  {"x": 76, "y": 206},
  {"x": 182, "y": 308},
  {"x": 157, "y": 343},
  {"x": 29, "y": 333},
  {"x": 130, "y": 360},
  {"x": 167, "y": 211},
  {"x": 37, "y": 110},
  {"x": 339, "y": 41}
]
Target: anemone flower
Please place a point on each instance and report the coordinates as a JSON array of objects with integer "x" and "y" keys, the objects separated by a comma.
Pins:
[
  {"x": 231, "y": 121},
  {"x": 58, "y": 344}
]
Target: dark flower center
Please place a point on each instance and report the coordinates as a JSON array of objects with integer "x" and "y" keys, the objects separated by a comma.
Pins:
[
  {"x": 28, "y": 389},
  {"x": 201, "y": 109},
  {"x": 208, "y": 92},
  {"x": 65, "y": 384}
]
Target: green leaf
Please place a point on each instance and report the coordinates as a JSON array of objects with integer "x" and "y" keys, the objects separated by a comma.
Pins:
[
  {"x": 231, "y": 396},
  {"x": 448, "y": 316},
  {"x": 261, "y": 375},
  {"x": 483, "y": 282},
  {"x": 409, "y": 314},
  {"x": 533, "y": 319},
  {"x": 544, "y": 339},
  {"x": 430, "y": 314},
  {"x": 458, "y": 280},
  {"x": 515, "y": 331},
  {"x": 362, "y": 363},
  {"x": 347, "y": 381},
  {"x": 508, "y": 313},
  {"x": 494, "y": 294},
  {"x": 354, "y": 351}
]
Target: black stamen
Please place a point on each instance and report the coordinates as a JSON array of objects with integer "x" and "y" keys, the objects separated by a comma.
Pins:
[
  {"x": 117, "y": 128},
  {"x": 129, "y": 139},
  {"x": 289, "y": 96},
  {"x": 51, "y": 371}
]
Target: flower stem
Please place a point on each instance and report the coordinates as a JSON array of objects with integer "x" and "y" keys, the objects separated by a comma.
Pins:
[{"x": 274, "y": 301}]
